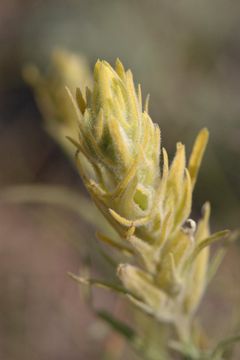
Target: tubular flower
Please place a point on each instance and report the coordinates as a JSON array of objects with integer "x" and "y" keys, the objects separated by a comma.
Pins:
[
  {"x": 147, "y": 204},
  {"x": 66, "y": 70}
]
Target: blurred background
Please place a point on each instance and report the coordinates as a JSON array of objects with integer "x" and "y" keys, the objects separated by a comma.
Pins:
[{"x": 186, "y": 54}]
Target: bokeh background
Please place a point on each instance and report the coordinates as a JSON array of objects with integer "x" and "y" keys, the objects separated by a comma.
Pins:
[{"x": 186, "y": 54}]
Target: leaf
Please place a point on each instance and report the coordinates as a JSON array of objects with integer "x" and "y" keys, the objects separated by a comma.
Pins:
[
  {"x": 204, "y": 243},
  {"x": 189, "y": 351},
  {"x": 101, "y": 284},
  {"x": 117, "y": 325},
  {"x": 223, "y": 346},
  {"x": 215, "y": 263}
]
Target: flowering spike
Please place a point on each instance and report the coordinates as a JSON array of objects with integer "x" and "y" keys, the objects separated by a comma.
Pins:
[{"x": 147, "y": 205}]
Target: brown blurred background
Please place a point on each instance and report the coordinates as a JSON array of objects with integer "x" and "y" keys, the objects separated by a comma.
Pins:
[{"x": 186, "y": 54}]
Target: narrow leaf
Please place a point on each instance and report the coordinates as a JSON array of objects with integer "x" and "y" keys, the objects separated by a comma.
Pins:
[
  {"x": 100, "y": 283},
  {"x": 117, "y": 325},
  {"x": 207, "y": 242},
  {"x": 224, "y": 345}
]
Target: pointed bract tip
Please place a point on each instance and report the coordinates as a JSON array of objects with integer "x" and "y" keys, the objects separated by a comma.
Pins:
[
  {"x": 204, "y": 135},
  {"x": 206, "y": 208},
  {"x": 205, "y": 131},
  {"x": 119, "y": 68},
  {"x": 97, "y": 68}
]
